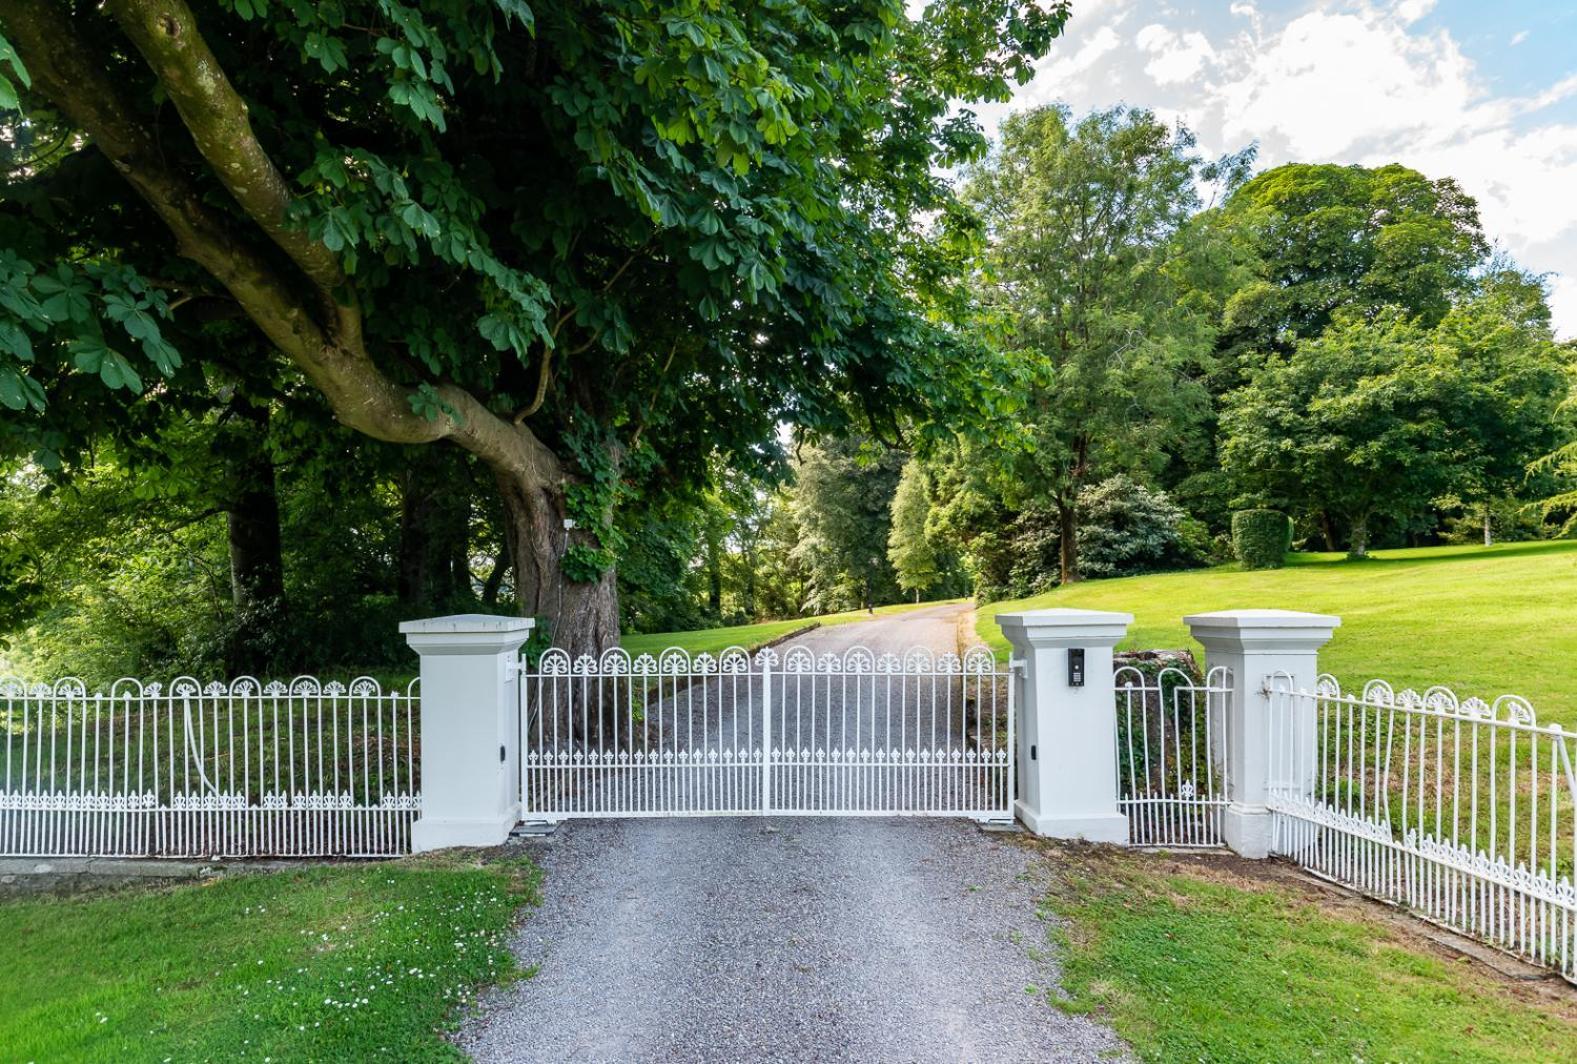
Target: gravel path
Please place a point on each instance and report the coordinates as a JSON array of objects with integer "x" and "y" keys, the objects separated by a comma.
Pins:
[
  {"x": 935, "y": 627},
  {"x": 787, "y": 938}
]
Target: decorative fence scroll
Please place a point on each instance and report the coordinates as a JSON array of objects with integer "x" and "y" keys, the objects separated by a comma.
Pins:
[
  {"x": 217, "y": 770},
  {"x": 849, "y": 734},
  {"x": 1462, "y": 810}
]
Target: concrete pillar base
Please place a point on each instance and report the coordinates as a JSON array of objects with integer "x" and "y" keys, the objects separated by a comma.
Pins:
[
  {"x": 1246, "y": 829},
  {"x": 1098, "y": 827},
  {"x": 428, "y": 833}
]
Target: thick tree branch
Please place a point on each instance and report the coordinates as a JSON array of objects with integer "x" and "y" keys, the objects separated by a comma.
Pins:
[
  {"x": 331, "y": 354},
  {"x": 65, "y": 70},
  {"x": 166, "y": 33}
]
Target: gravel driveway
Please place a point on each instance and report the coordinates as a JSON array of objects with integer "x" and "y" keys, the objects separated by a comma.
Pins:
[{"x": 734, "y": 938}]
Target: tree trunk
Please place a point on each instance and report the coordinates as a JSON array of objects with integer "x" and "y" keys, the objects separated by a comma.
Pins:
[
  {"x": 587, "y": 613},
  {"x": 1068, "y": 541},
  {"x": 257, "y": 568},
  {"x": 1489, "y": 531},
  {"x": 435, "y": 515},
  {"x": 1327, "y": 530},
  {"x": 414, "y": 553},
  {"x": 1359, "y": 537},
  {"x": 714, "y": 566}
]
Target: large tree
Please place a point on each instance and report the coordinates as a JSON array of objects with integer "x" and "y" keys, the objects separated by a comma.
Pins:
[
  {"x": 1513, "y": 381},
  {"x": 911, "y": 551},
  {"x": 843, "y": 498},
  {"x": 593, "y": 244},
  {"x": 1092, "y": 286},
  {"x": 1325, "y": 238},
  {"x": 1379, "y": 419}
]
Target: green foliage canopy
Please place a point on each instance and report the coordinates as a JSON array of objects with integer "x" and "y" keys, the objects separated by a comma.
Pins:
[
  {"x": 843, "y": 500},
  {"x": 591, "y": 243},
  {"x": 1328, "y": 237},
  {"x": 910, "y": 549}
]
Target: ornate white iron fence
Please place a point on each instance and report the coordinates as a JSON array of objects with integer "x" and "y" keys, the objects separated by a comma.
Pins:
[
  {"x": 217, "y": 770},
  {"x": 845, "y": 735},
  {"x": 1461, "y": 810},
  {"x": 1171, "y": 734}
]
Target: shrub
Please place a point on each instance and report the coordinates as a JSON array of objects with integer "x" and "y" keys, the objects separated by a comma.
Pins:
[
  {"x": 1261, "y": 538},
  {"x": 1127, "y": 528}
]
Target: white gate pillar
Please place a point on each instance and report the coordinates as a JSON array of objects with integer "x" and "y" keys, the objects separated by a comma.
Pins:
[
  {"x": 1067, "y": 727},
  {"x": 1253, "y": 645},
  {"x": 470, "y": 739}
]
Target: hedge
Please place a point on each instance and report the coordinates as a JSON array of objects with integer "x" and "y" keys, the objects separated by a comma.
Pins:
[{"x": 1261, "y": 538}]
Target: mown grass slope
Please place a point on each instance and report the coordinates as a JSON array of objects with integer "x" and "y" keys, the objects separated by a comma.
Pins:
[
  {"x": 1482, "y": 620},
  {"x": 1211, "y": 959}
]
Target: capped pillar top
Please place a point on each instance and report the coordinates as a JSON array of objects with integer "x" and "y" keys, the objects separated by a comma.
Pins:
[
  {"x": 467, "y": 633},
  {"x": 1262, "y": 629},
  {"x": 1032, "y": 629}
]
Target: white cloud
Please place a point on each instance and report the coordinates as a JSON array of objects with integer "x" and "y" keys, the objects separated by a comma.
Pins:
[
  {"x": 1090, "y": 51},
  {"x": 1563, "y": 301},
  {"x": 1348, "y": 81},
  {"x": 1329, "y": 83},
  {"x": 1408, "y": 11},
  {"x": 1518, "y": 37},
  {"x": 1175, "y": 57}
]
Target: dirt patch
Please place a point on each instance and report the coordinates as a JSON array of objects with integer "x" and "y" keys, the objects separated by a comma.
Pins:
[{"x": 965, "y": 634}]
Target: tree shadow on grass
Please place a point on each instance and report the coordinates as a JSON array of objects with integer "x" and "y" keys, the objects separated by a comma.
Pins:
[{"x": 1554, "y": 548}]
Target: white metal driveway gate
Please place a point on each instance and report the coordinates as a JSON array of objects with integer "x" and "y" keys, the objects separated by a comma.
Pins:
[{"x": 856, "y": 734}]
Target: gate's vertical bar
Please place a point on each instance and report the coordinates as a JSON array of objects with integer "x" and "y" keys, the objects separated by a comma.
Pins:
[
  {"x": 1015, "y": 671},
  {"x": 765, "y": 658}
]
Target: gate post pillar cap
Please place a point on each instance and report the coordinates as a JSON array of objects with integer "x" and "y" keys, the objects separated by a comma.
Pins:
[
  {"x": 1262, "y": 629},
  {"x": 466, "y": 633},
  {"x": 1064, "y": 627}
]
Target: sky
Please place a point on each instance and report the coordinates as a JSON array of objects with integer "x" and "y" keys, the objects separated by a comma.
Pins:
[{"x": 1484, "y": 93}]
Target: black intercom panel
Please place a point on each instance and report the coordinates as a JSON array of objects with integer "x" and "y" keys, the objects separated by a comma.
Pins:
[{"x": 1076, "y": 667}]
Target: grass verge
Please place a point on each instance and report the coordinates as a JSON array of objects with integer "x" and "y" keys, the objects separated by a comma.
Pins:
[
  {"x": 1482, "y": 620},
  {"x": 350, "y": 962},
  {"x": 712, "y": 640},
  {"x": 1205, "y": 959}
]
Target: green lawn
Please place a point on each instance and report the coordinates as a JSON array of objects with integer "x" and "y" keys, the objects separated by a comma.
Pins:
[
  {"x": 330, "y": 963},
  {"x": 1482, "y": 620},
  {"x": 1190, "y": 962},
  {"x": 749, "y": 636}
]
